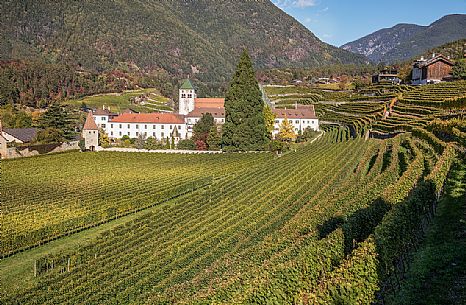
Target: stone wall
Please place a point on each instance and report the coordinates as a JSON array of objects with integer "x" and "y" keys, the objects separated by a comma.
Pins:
[{"x": 35, "y": 150}]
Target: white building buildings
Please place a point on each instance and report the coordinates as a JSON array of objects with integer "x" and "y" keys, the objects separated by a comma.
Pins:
[{"x": 191, "y": 109}]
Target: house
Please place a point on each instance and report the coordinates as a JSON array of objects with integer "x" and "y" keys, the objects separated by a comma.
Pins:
[
  {"x": 386, "y": 75},
  {"x": 432, "y": 70},
  {"x": 191, "y": 110},
  {"x": 301, "y": 117},
  {"x": 90, "y": 133},
  {"x": 19, "y": 135},
  {"x": 103, "y": 116}
]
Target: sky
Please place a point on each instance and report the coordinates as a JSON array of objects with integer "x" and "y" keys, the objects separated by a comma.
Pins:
[{"x": 340, "y": 21}]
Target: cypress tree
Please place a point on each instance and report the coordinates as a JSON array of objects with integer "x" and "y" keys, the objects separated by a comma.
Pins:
[{"x": 244, "y": 128}]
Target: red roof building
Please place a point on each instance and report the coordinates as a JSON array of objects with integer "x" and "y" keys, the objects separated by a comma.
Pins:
[
  {"x": 151, "y": 118},
  {"x": 209, "y": 102}
]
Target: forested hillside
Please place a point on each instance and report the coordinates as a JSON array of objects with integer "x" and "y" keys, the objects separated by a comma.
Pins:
[{"x": 201, "y": 38}]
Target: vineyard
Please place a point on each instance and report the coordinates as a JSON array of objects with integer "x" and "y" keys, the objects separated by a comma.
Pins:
[{"x": 335, "y": 222}]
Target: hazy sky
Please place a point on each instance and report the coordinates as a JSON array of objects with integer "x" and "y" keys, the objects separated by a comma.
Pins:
[{"x": 340, "y": 21}]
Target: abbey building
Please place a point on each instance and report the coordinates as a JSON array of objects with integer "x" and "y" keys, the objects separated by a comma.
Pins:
[{"x": 191, "y": 108}]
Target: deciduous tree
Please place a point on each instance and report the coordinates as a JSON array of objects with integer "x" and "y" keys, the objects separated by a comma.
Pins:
[{"x": 286, "y": 132}]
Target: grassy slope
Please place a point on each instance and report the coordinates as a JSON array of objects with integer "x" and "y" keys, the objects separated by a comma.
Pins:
[
  {"x": 121, "y": 101},
  {"x": 438, "y": 272}
]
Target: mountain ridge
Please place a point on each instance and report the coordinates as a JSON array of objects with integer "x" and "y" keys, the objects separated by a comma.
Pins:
[
  {"x": 199, "y": 38},
  {"x": 404, "y": 41}
]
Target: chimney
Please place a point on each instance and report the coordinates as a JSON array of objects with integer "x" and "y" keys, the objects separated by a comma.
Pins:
[
  {"x": 422, "y": 58},
  {"x": 433, "y": 55}
]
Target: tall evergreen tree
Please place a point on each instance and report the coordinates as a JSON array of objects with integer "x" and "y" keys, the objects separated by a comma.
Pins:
[
  {"x": 60, "y": 118},
  {"x": 244, "y": 128}
]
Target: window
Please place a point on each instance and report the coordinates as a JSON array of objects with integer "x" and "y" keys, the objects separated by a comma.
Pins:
[
  {"x": 128, "y": 126},
  {"x": 163, "y": 126},
  {"x": 111, "y": 125},
  {"x": 190, "y": 95},
  {"x": 103, "y": 125},
  {"x": 162, "y": 134},
  {"x": 128, "y": 134},
  {"x": 120, "y": 126},
  {"x": 137, "y": 133},
  {"x": 183, "y": 95},
  {"x": 297, "y": 121},
  {"x": 171, "y": 127},
  {"x": 103, "y": 118},
  {"x": 145, "y": 134},
  {"x": 277, "y": 121},
  {"x": 120, "y": 133},
  {"x": 111, "y": 133},
  {"x": 153, "y": 126},
  {"x": 153, "y": 134},
  {"x": 137, "y": 126},
  {"x": 179, "y": 127},
  {"x": 145, "y": 126}
]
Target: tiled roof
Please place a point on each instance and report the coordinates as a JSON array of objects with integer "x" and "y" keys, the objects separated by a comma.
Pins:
[
  {"x": 434, "y": 60},
  {"x": 187, "y": 85},
  {"x": 90, "y": 123},
  {"x": 154, "y": 118},
  {"x": 25, "y": 135},
  {"x": 209, "y": 102},
  {"x": 216, "y": 112},
  {"x": 301, "y": 112}
]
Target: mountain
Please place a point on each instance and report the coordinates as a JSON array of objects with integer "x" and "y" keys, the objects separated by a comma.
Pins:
[
  {"x": 201, "y": 38},
  {"x": 404, "y": 41}
]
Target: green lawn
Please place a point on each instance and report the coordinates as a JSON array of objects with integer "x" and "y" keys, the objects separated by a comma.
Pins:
[{"x": 121, "y": 101}]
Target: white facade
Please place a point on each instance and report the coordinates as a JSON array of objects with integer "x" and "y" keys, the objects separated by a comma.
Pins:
[
  {"x": 101, "y": 121},
  {"x": 298, "y": 124},
  {"x": 186, "y": 101},
  {"x": 117, "y": 130}
]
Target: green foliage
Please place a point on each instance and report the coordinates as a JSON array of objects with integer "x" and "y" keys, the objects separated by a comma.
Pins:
[
  {"x": 187, "y": 144},
  {"x": 14, "y": 118},
  {"x": 355, "y": 281},
  {"x": 60, "y": 118},
  {"x": 214, "y": 140},
  {"x": 459, "y": 69},
  {"x": 152, "y": 143},
  {"x": 104, "y": 141},
  {"x": 269, "y": 118},
  {"x": 50, "y": 135},
  {"x": 202, "y": 130},
  {"x": 244, "y": 128}
]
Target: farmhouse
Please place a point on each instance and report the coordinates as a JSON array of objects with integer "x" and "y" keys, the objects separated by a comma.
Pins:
[
  {"x": 386, "y": 75},
  {"x": 433, "y": 70},
  {"x": 191, "y": 109}
]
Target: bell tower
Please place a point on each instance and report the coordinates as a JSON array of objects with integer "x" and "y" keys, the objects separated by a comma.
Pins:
[{"x": 186, "y": 98}]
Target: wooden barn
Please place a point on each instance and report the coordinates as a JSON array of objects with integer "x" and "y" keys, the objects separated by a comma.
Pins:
[{"x": 433, "y": 70}]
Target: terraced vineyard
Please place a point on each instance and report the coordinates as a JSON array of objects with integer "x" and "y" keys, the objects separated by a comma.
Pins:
[{"x": 334, "y": 222}]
